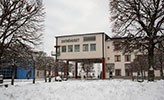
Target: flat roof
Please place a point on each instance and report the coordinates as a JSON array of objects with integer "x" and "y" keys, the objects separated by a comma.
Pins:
[{"x": 94, "y": 33}]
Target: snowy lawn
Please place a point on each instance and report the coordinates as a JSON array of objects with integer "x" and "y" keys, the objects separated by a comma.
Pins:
[{"x": 85, "y": 90}]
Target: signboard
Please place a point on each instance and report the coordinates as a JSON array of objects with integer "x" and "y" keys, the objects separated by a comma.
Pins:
[{"x": 70, "y": 40}]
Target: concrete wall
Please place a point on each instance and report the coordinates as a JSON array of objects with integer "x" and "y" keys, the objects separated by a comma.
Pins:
[{"x": 39, "y": 73}]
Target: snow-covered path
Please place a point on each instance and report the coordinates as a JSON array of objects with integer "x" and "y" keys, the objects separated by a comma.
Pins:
[{"x": 85, "y": 90}]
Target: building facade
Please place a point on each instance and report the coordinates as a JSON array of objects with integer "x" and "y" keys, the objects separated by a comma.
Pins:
[{"x": 96, "y": 48}]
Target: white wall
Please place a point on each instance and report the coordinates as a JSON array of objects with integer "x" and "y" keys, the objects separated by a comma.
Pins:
[{"x": 82, "y": 54}]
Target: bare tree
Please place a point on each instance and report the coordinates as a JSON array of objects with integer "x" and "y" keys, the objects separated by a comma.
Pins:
[
  {"x": 46, "y": 63},
  {"x": 140, "y": 65},
  {"x": 42, "y": 65},
  {"x": 142, "y": 21},
  {"x": 16, "y": 55},
  {"x": 20, "y": 22},
  {"x": 159, "y": 55},
  {"x": 36, "y": 58},
  {"x": 88, "y": 68}
]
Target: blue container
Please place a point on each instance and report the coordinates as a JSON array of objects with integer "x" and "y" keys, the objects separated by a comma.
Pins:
[{"x": 24, "y": 73}]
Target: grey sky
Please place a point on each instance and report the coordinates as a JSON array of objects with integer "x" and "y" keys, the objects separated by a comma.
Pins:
[{"x": 65, "y": 17}]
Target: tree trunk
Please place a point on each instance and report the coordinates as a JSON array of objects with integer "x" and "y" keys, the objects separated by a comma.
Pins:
[
  {"x": 49, "y": 74},
  {"x": 161, "y": 59},
  {"x": 151, "y": 62},
  {"x": 142, "y": 73},
  {"x": 13, "y": 75},
  {"x": 161, "y": 72},
  {"x": 45, "y": 75},
  {"x": 132, "y": 73},
  {"x": 34, "y": 74}
]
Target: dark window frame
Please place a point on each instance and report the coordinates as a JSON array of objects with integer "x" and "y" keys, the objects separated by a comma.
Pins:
[
  {"x": 117, "y": 72},
  {"x": 89, "y": 38},
  {"x": 117, "y": 58},
  {"x": 127, "y": 58},
  {"x": 70, "y": 49},
  {"x": 85, "y": 47},
  {"x": 77, "y": 49},
  {"x": 64, "y": 49},
  {"x": 91, "y": 47}
]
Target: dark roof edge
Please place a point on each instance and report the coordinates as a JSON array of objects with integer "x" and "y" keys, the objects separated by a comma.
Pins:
[
  {"x": 117, "y": 38},
  {"x": 82, "y": 34}
]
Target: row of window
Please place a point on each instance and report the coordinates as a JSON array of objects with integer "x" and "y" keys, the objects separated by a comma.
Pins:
[
  {"x": 118, "y": 58},
  {"x": 118, "y": 72},
  {"x": 76, "y": 48}
]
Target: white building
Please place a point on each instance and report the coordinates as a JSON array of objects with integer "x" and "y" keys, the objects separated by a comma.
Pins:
[{"x": 95, "y": 48}]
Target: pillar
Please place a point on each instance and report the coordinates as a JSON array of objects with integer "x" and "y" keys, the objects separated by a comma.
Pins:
[
  {"x": 76, "y": 68},
  {"x": 103, "y": 68},
  {"x": 56, "y": 68},
  {"x": 66, "y": 69}
]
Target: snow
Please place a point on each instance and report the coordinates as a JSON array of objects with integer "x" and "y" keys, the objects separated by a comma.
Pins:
[
  {"x": 58, "y": 78},
  {"x": 84, "y": 90}
]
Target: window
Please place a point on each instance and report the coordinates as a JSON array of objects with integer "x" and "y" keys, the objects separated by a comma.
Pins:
[
  {"x": 110, "y": 67},
  {"x": 70, "y": 48},
  {"x": 85, "y": 47},
  {"x": 117, "y": 45},
  {"x": 118, "y": 72},
  {"x": 89, "y": 38},
  {"x": 63, "y": 48},
  {"x": 92, "y": 47},
  {"x": 38, "y": 73},
  {"x": 128, "y": 69},
  {"x": 77, "y": 48},
  {"x": 127, "y": 58},
  {"x": 127, "y": 72},
  {"x": 117, "y": 58},
  {"x": 6, "y": 72}
]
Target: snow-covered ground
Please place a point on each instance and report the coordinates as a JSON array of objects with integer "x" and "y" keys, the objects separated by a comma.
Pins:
[{"x": 84, "y": 90}]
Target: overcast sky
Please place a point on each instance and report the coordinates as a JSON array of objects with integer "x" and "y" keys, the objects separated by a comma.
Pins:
[{"x": 66, "y": 17}]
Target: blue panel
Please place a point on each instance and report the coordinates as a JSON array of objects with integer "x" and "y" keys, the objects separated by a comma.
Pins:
[{"x": 23, "y": 73}]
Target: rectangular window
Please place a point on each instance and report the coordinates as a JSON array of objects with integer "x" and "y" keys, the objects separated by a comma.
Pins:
[
  {"x": 38, "y": 73},
  {"x": 77, "y": 48},
  {"x": 85, "y": 47},
  {"x": 89, "y": 38},
  {"x": 118, "y": 72},
  {"x": 70, "y": 48},
  {"x": 92, "y": 47},
  {"x": 117, "y": 45},
  {"x": 127, "y": 58},
  {"x": 110, "y": 67},
  {"x": 63, "y": 48},
  {"x": 117, "y": 58},
  {"x": 127, "y": 72}
]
